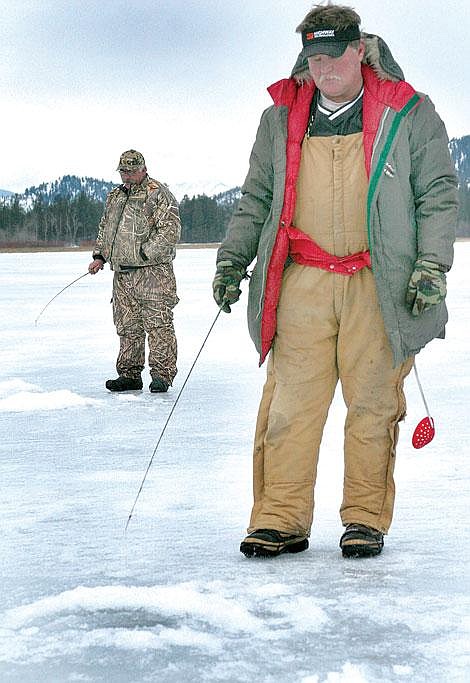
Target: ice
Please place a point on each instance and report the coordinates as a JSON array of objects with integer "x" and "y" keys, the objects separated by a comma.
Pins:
[
  {"x": 32, "y": 399},
  {"x": 348, "y": 674},
  {"x": 169, "y": 601},
  {"x": 172, "y": 599}
]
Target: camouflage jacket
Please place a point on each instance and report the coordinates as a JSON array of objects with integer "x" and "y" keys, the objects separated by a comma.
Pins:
[{"x": 139, "y": 226}]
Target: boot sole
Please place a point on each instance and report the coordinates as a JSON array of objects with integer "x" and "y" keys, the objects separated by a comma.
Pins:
[
  {"x": 361, "y": 550},
  {"x": 261, "y": 550}
]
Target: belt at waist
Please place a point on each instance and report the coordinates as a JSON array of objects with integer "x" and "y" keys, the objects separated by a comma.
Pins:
[
  {"x": 306, "y": 252},
  {"x": 126, "y": 269}
]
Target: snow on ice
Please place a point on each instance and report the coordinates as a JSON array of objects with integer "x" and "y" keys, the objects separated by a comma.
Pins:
[
  {"x": 17, "y": 395},
  {"x": 172, "y": 599}
]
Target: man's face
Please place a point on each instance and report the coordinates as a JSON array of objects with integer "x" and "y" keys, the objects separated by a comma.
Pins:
[
  {"x": 133, "y": 177},
  {"x": 338, "y": 78}
]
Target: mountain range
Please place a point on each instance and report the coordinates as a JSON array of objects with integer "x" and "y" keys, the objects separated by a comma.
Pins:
[{"x": 71, "y": 186}]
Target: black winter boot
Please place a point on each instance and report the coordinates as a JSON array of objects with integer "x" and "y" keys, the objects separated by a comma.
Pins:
[
  {"x": 360, "y": 540},
  {"x": 158, "y": 385},
  {"x": 270, "y": 543},
  {"x": 122, "y": 383}
]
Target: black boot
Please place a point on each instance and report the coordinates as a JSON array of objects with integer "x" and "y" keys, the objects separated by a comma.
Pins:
[
  {"x": 158, "y": 385},
  {"x": 270, "y": 543},
  {"x": 124, "y": 383},
  {"x": 360, "y": 540}
]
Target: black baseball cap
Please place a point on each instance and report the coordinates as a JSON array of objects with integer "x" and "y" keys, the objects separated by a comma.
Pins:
[{"x": 326, "y": 40}]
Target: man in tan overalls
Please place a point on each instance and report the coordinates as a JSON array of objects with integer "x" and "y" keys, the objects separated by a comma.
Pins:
[{"x": 328, "y": 320}]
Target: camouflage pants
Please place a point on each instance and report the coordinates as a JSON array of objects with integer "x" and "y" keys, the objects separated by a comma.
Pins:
[{"x": 143, "y": 300}]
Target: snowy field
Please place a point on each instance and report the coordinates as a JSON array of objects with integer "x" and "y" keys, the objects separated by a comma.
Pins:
[{"x": 173, "y": 600}]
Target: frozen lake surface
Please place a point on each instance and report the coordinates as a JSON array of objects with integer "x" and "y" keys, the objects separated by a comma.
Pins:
[{"x": 173, "y": 600}]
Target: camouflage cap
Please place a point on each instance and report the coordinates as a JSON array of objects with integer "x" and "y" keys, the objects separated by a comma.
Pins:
[{"x": 131, "y": 160}]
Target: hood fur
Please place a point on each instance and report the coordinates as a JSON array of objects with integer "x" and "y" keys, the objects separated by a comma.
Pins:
[{"x": 377, "y": 55}]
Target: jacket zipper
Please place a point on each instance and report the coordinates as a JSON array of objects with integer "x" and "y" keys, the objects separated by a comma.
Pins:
[
  {"x": 380, "y": 131},
  {"x": 117, "y": 227}
]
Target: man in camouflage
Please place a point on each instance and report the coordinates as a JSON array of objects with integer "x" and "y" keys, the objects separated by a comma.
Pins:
[{"x": 137, "y": 236}]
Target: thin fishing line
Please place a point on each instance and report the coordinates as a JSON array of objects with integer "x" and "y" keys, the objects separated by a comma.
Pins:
[
  {"x": 56, "y": 295},
  {"x": 169, "y": 418}
]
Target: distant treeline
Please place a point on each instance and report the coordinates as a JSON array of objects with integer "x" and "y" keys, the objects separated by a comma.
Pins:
[
  {"x": 205, "y": 219},
  {"x": 463, "y": 224},
  {"x": 66, "y": 221},
  {"x": 72, "y": 221}
]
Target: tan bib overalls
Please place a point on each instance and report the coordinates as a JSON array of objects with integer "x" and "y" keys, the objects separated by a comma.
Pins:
[{"x": 329, "y": 327}]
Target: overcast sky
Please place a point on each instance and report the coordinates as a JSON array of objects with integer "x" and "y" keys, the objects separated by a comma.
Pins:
[{"x": 184, "y": 81}]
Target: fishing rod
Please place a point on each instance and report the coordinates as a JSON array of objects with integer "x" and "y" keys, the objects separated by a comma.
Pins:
[
  {"x": 56, "y": 295},
  {"x": 169, "y": 416}
]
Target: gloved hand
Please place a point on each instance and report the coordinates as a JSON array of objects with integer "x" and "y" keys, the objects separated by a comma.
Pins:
[
  {"x": 427, "y": 286},
  {"x": 225, "y": 285}
]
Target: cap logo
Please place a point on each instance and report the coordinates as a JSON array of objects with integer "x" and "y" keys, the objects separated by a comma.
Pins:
[
  {"x": 323, "y": 34},
  {"x": 326, "y": 34}
]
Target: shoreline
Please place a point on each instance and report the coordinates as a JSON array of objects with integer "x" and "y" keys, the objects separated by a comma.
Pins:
[
  {"x": 183, "y": 245},
  {"x": 32, "y": 250}
]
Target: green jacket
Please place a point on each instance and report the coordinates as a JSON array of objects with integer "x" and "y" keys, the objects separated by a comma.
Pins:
[
  {"x": 412, "y": 204},
  {"x": 139, "y": 226}
]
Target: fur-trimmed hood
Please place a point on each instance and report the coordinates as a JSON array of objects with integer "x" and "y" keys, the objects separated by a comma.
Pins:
[{"x": 377, "y": 55}]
